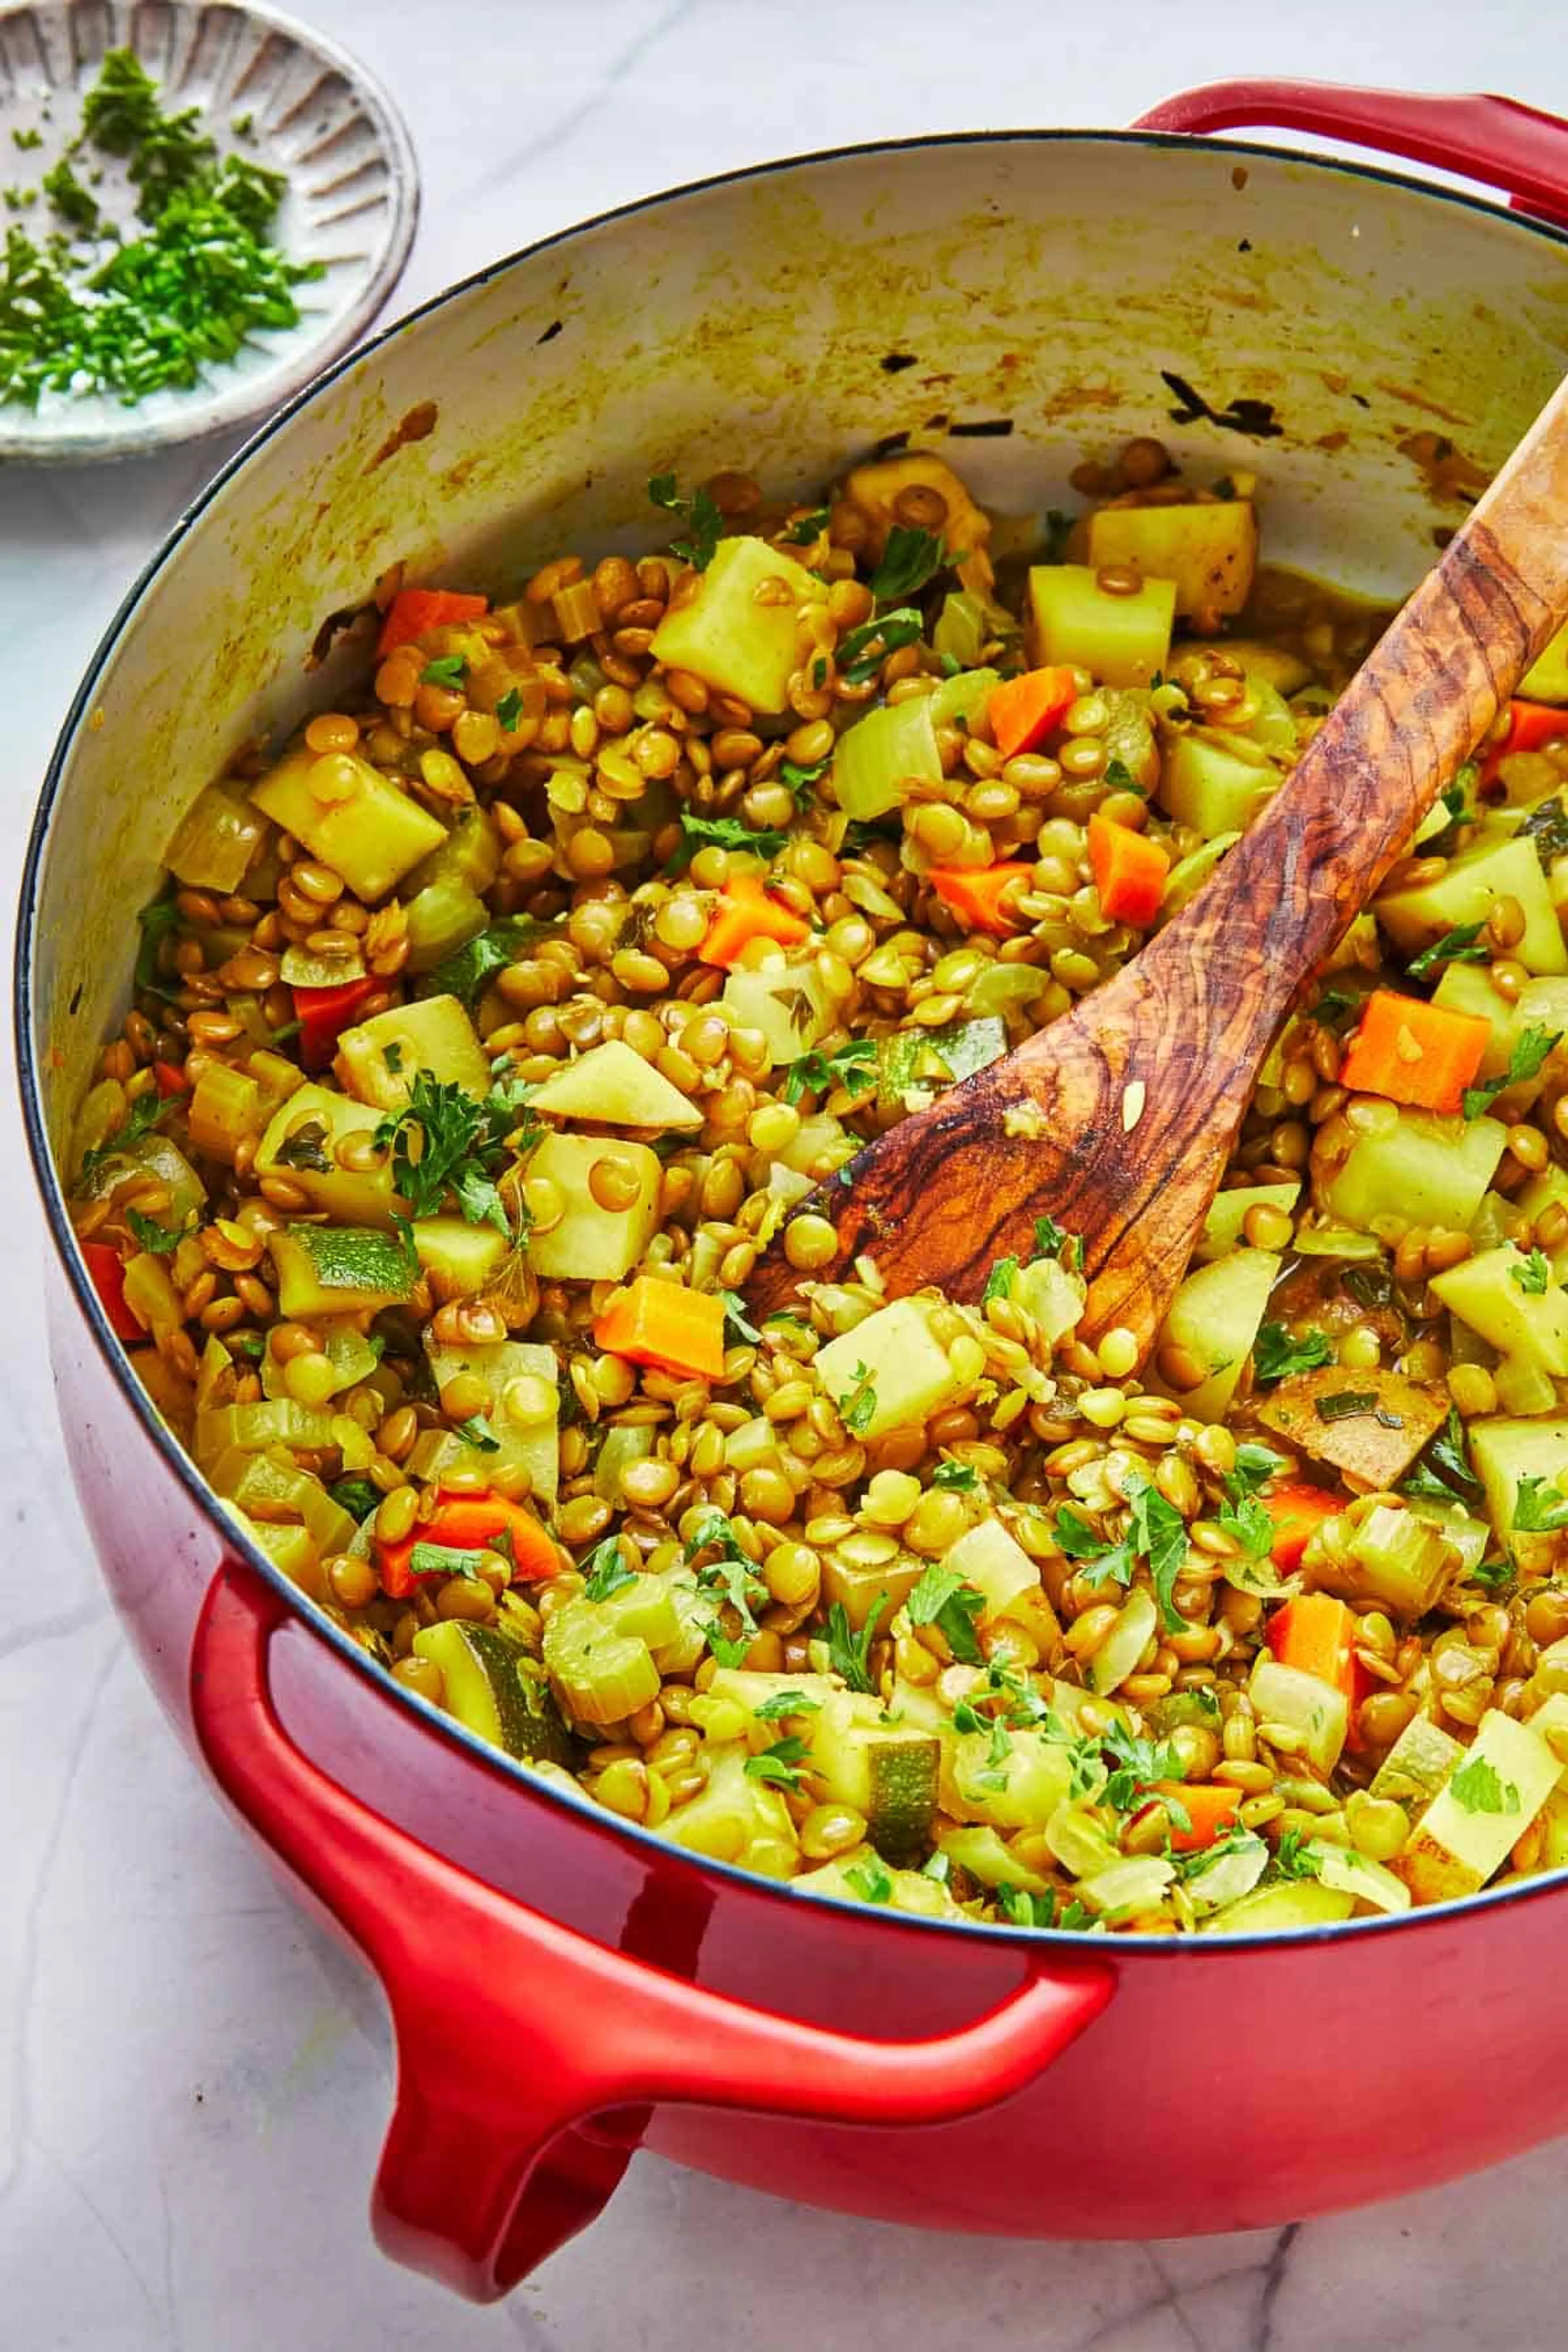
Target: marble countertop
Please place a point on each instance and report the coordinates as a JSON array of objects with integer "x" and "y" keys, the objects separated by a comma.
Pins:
[{"x": 189, "y": 2108}]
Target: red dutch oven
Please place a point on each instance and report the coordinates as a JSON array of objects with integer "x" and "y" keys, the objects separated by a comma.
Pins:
[{"x": 566, "y": 1988}]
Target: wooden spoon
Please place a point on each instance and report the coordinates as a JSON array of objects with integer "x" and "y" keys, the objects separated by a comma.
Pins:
[{"x": 1119, "y": 1118}]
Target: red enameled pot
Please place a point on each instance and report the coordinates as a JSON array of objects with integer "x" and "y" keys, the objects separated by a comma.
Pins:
[{"x": 566, "y": 1989}]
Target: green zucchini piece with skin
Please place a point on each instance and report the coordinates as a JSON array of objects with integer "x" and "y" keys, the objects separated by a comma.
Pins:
[
  {"x": 1276, "y": 1910},
  {"x": 1418, "y": 1764},
  {"x": 885, "y": 1772},
  {"x": 339, "y": 1270},
  {"x": 1189, "y": 873},
  {"x": 496, "y": 1690},
  {"x": 1423, "y": 1170},
  {"x": 1215, "y": 1317}
]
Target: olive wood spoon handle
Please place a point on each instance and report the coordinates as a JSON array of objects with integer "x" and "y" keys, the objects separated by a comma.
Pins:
[{"x": 1119, "y": 1119}]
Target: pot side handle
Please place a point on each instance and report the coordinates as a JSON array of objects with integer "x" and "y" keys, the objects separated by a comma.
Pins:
[
  {"x": 514, "y": 2033},
  {"x": 1495, "y": 140}
]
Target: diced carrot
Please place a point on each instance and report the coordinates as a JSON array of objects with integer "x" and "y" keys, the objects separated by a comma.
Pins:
[
  {"x": 414, "y": 611},
  {"x": 1529, "y": 725},
  {"x": 1412, "y": 1051},
  {"x": 1209, "y": 1806},
  {"x": 1130, "y": 872},
  {"x": 324, "y": 1013},
  {"x": 979, "y": 898},
  {"x": 470, "y": 1523},
  {"x": 1023, "y": 710},
  {"x": 745, "y": 913},
  {"x": 169, "y": 1078},
  {"x": 662, "y": 1323},
  {"x": 108, "y": 1280},
  {"x": 1314, "y": 1633},
  {"x": 1296, "y": 1512}
]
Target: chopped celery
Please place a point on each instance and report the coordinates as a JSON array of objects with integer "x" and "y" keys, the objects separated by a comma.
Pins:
[
  {"x": 614, "y": 1083},
  {"x": 225, "y": 1111},
  {"x": 883, "y": 752},
  {"x": 961, "y": 628},
  {"x": 1209, "y": 552},
  {"x": 215, "y": 840},
  {"x": 1276, "y": 1910},
  {"x": 470, "y": 853},
  {"x": 599, "y": 1674},
  {"x": 986, "y": 1855},
  {"x": 962, "y": 696},
  {"x": 267, "y": 1486},
  {"x": 442, "y": 918},
  {"x": 1138, "y": 1881},
  {"x": 293, "y": 1551},
  {"x": 1303, "y": 1702},
  {"x": 1393, "y": 1557},
  {"x": 254, "y": 1427}
]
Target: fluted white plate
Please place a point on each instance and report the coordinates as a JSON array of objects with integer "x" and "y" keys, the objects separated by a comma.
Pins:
[{"x": 315, "y": 115}]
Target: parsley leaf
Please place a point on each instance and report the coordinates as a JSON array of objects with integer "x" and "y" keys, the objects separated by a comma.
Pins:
[
  {"x": 943, "y": 1599},
  {"x": 784, "y": 1704},
  {"x": 1345, "y": 1404},
  {"x": 912, "y": 558},
  {"x": 1276, "y": 1354},
  {"x": 606, "y": 1570},
  {"x": 781, "y": 1763},
  {"x": 698, "y": 514},
  {"x": 144, "y": 1114},
  {"x": 852, "y": 1067},
  {"x": 161, "y": 1240},
  {"x": 848, "y": 1653},
  {"x": 458, "y": 1137},
  {"x": 509, "y": 711},
  {"x": 446, "y": 670},
  {"x": 1538, "y": 1507},
  {"x": 1294, "y": 1859},
  {"x": 1478, "y": 1789},
  {"x": 1103, "y": 1558},
  {"x": 807, "y": 526},
  {"x": 1000, "y": 1280},
  {"x": 1161, "y": 1533},
  {"x": 956, "y": 1477},
  {"x": 870, "y": 1879},
  {"x": 1531, "y": 1048},
  {"x": 156, "y": 919},
  {"x": 1532, "y": 1274},
  {"x": 1255, "y": 1466},
  {"x": 735, "y": 1315},
  {"x": 725, "y": 833},
  {"x": 1139, "y": 1764},
  {"x": 798, "y": 780},
  {"x": 1444, "y": 1466},
  {"x": 1457, "y": 945},
  {"x": 862, "y": 653},
  {"x": 734, "y": 1573},
  {"x": 1247, "y": 1520},
  {"x": 1052, "y": 1240},
  {"x": 443, "y": 1560},
  {"x": 477, "y": 1431},
  {"x": 358, "y": 1497},
  {"x": 856, "y": 1408},
  {"x": 467, "y": 968}
]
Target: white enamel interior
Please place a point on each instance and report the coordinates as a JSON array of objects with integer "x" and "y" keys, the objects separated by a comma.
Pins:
[{"x": 1047, "y": 280}]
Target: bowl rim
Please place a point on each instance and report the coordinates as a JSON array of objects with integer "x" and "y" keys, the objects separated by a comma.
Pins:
[{"x": 1071, "y": 1945}]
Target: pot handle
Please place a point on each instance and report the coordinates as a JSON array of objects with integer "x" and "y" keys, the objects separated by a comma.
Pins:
[
  {"x": 495, "y": 2155},
  {"x": 1495, "y": 140}
]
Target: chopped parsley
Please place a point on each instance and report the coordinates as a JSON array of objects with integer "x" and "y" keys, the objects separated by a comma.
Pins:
[
  {"x": 945, "y": 1600},
  {"x": 799, "y": 782},
  {"x": 1277, "y": 1352},
  {"x": 781, "y": 1763},
  {"x": 1547, "y": 826},
  {"x": 956, "y": 1477},
  {"x": 446, "y": 670},
  {"x": 1538, "y": 1507},
  {"x": 735, "y": 1315},
  {"x": 724, "y": 833},
  {"x": 307, "y": 1149},
  {"x": 1158, "y": 1533},
  {"x": 1478, "y": 1789},
  {"x": 1531, "y": 1048},
  {"x": 606, "y": 1570},
  {"x": 1458, "y": 946},
  {"x": 161, "y": 1240},
  {"x": 1293, "y": 1858},
  {"x": 848, "y": 1653},
  {"x": 477, "y": 1431},
  {"x": 1532, "y": 1274},
  {"x": 358, "y": 1497},
  {"x": 856, "y": 1408},
  {"x": 1345, "y": 1404},
  {"x": 157, "y": 920},
  {"x": 862, "y": 653},
  {"x": 870, "y": 1879},
  {"x": 1444, "y": 1467},
  {"x": 912, "y": 558},
  {"x": 443, "y": 1560},
  {"x": 1139, "y": 1763},
  {"x": 1000, "y": 1280},
  {"x": 443, "y": 1141},
  {"x": 466, "y": 969},
  {"x": 851, "y": 1066},
  {"x": 783, "y": 1705},
  {"x": 509, "y": 711},
  {"x": 701, "y": 515},
  {"x": 1052, "y": 1240},
  {"x": 806, "y": 528},
  {"x": 146, "y": 1112},
  {"x": 733, "y": 1574}
]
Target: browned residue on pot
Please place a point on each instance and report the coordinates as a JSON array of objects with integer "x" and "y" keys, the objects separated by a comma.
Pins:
[
  {"x": 1421, "y": 400},
  {"x": 1450, "y": 474},
  {"x": 418, "y": 425}
]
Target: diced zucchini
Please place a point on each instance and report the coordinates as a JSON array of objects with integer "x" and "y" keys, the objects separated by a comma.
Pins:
[
  {"x": 1216, "y": 783},
  {"x": 1423, "y": 1170},
  {"x": 339, "y": 1270},
  {"x": 1392, "y": 1557},
  {"x": 371, "y": 838},
  {"x": 1285, "y": 1695},
  {"x": 912, "y": 1058},
  {"x": 1230, "y": 1210},
  {"x": 292, "y": 1550},
  {"x": 1052, "y": 1296},
  {"x": 1356, "y": 1874},
  {"x": 1418, "y": 1764},
  {"x": 962, "y": 696},
  {"x": 459, "y": 1258},
  {"x": 1504, "y": 1451},
  {"x": 892, "y": 1363},
  {"x": 612, "y": 1083},
  {"x": 618, "y": 1449},
  {"x": 1123, "y": 640},
  {"x": 996, "y": 1564},
  {"x": 1467, "y": 890},
  {"x": 1276, "y": 1910},
  {"x": 1484, "y": 1292},
  {"x": 1215, "y": 1316},
  {"x": 987, "y": 1857},
  {"x": 1138, "y": 1881},
  {"x": 150, "y": 1156},
  {"x": 1024, "y": 1789},
  {"x": 729, "y": 638},
  {"x": 1076, "y": 1837},
  {"x": 215, "y": 840},
  {"x": 441, "y": 919},
  {"x": 857, "y": 1589},
  {"x": 530, "y": 1445},
  {"x": 225, "y": 1111},
  {"x": 492, "y": 1687},
  {"x": 788, "y": 1001},
  {"x": 1108, "y": 1667},
  {"x": 1374, "y": 1441},
  {"x": 1471, "y": 1538},
  {"x": 271, "y": 1487},
  {"x": 1209, "y": 552},
  {"x": 301, "y": 1145},
  {"x": 876, "y": 756},
  {"x": 889, "y": 1773},
  {"x": 378, "y": 1061},
  {"x": 254, "y": 1427},
  {"x": 1482, "y": 1810},
  {"x": 738, "y": 1818},
  {"x": 593, "y": 1243}
]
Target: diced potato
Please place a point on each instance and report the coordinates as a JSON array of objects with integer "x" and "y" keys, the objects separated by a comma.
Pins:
[
  {"x": 1482, "y": 1810},
  {"x": 1052, "y": 1296},
  {"x": 1208, "y": 551},
  {"x": 612, "y": 1083},
  {"x": 876, "y": 487},
  {"x": 1217, "y": 784},
  {"x": 378, "y": 1061},
  {"x": 787, "y": 1000},
  {"x": 1418, "y": 1764},
  {"x": 1023, "y": 1791},
  {"x": 1286, "y": 672},
  {"x": 371, "y": 838},
  {"x": 1377, "y": 1444},
  {"x": 1485, "y": 1292},
  {"x": 1123, "y": 640},
  {"x": 1215, "y": 1318},
  {"x": 1467, "y": 890},
  {"x": 893, "y": 1362},
  {"x": 1423, "y": 1170},
  {"x": 301, "y": 1145},
  {"x": 461, "y": 1259},
  {"x": 593, "y": 1243},
  {"x": 524, "y": 1444},
  {"x": 1546, "y": 680},
  {"x": 1310, "y": 1705},
  {"x": 1540, "y": 1004},
  {"x": 728, "y": 639},
  {"x": 1230, "y": 1210},
  {"x": 1505, "y": 1451},
  {"x": 338, "y": 1270}
]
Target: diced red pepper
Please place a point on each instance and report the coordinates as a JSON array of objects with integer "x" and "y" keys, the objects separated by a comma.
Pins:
[
  {"x": 415, "y": 612},
  {"x": 324, "y": 1013},
  {"x": 169, "y": 1078},
  {"x": 1529, "y": 725},
  {"x": 469, "y": 1523},
  {"x": 103, "y": 1264}
]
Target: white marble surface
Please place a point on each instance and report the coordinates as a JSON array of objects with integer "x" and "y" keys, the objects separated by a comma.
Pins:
[{"x": 189, "y": 2109}]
